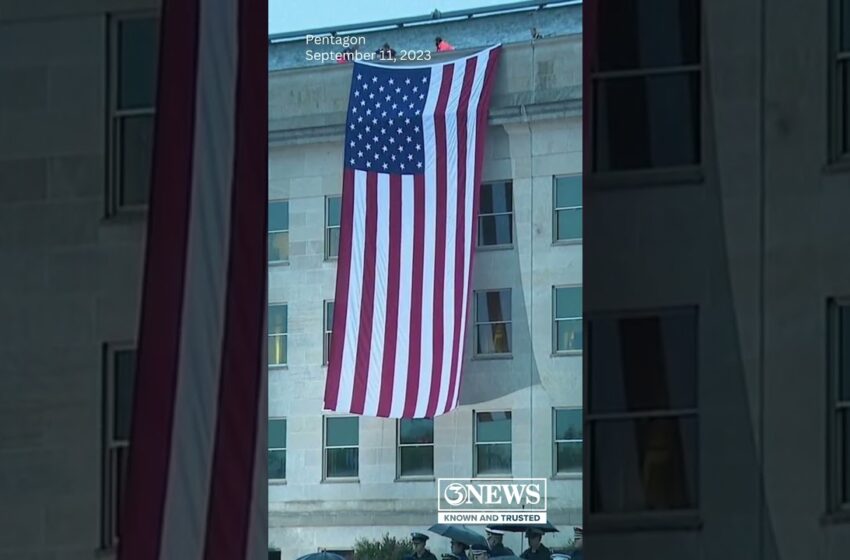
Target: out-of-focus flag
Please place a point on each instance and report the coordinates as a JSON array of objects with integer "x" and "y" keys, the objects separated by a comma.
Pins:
[
  {"x": 413, "y": 154},
  {"x": 196, "y": 486}
]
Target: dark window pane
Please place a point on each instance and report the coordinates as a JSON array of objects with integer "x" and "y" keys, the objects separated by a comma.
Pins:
[
  {"x": 334, "y": 208},
  {"x": 568, "y": 335},
  {"x": 495, "y": 230},
  {"x": 643, "y": 363},
  {"x": 569, "y": 457},
  {"x": 342, "y": 462},
  {"x": 568, "y": 424},
  {"x": 844, "y": 353},
  {"x": 648, "y": 33},
  {"x": 494, "y": 339},
  {"x": 137, "y": 56},
  {"x": 333, "y": 243},
  {"x": 416, "y": 431},
  {"x": 277, "y": 433},
  {"x": 416, "y": 461},
  {"x": 125, "y": 373},
  {"x": 329, "y": 315},
  {"x": 277, "y": 350},
  {"x": 568, "y": 302},
  {"x": 568, "y": 191},
  {"x": 279, "y": 216},
  {"x": 647, "y": 122},
  {"x": 493, "y": 427},
  {"x": 494, "y": 459},
  {"x": 844, "y": 455},
  {"x": 568, "y": 224},
  {"x": 136, "y": 152},
  {"x": 644, "y": 464},
  {"x": 496, "y": 198},
  {"x": 121, "y": 459},
  {"x": 844, "y": 101},
  {"x": 493, "y": 305},
  {"x": 845, "y": 25},
  {"x": 343, "y": 431},
  {"x": 279, "y": 246},
  {"x": 277, "y": 319},
  {"x": 277, "y": 464}
]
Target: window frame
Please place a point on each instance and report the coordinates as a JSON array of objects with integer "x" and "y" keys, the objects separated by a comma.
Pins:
[
  {"x": 839, "y": 496},
  {"x": 512, "y": 214},
  {"x": 492, "y": 355},
  {"x": 326, "y": 332},
  {"x": 688, "y": 518},
  {"x": 836, "y": 119},
  {"x": 476, "y": 444},
  {"x": 325, "y": 447},
  {"x": 650, "y": 176},
  {"x": 284, "y": 335},
  {"x": 328, "y": 228},
  {"x": 284, "y": 449},
  {"x": 556, "y": 319},
  {"x": 286, "y": 231},
  {"x": 110, "y": 445},
  {"x": 115, "y": 116},
  {"x": 557, "y": 209},
  {"x": 555, "y": 441},
  {"x": 399, "y": 445}
]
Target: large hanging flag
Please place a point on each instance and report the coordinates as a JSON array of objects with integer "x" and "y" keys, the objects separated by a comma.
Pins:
[
  {"x": 414, "y": 148},
  {"x": 196, "y": 486}
]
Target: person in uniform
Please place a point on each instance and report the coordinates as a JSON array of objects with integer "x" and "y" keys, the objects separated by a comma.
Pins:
[
  {"x": 479, "y": 552},
  {"x": 494, "y": 539},
  {"x": 536, "y": 550},
  {"x": 419, "y": 552},
  {"x": 578, "y": 545},
  {"x": 459, "y": 550}
]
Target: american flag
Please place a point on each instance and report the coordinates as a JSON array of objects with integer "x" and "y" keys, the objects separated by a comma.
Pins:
[
  {"x": 196, "y": 483},
  {"x": 413, "y": 155}
]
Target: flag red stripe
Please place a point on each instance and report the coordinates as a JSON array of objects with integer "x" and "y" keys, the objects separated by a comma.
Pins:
[
  {"x": 367, "y": 302},
  {"x": 231, "y": 491},
  {"x": 416, "y": 296},
  {"x": 341, "y": 295},
  {"x": 387, "y": 376},
  {"x": 159, "y": 331},
  {"x": 463, "y": 114},
  {"x": 440, "y": 251}
]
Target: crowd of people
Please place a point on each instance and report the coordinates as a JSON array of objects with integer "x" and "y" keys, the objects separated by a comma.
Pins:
[
  {"x": 386, "y": 52},
  {"x": 495, "y": 549}
]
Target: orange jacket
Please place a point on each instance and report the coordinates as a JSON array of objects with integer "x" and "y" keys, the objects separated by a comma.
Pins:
[{"x": 444, "y": 46}]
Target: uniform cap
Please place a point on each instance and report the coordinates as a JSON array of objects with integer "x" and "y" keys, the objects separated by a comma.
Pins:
[
  {"x": 418, "y": 537},
  {"x": 493, "y": 531}
]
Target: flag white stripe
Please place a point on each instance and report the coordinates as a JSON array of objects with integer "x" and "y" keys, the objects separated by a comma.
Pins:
[
  {"x": 404, "y": 291},
  {"x": 355, "y": 294},
  {"x": 379, "y": 313},
  {"x": 448, "y": 256},
  {"x": 472, "y": 139},
  {"x": 205, "y": 285},
  {"x": 427, "y": 280}
]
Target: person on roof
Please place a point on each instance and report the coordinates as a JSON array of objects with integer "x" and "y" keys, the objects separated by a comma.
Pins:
[{"x": 443, "y": 45}]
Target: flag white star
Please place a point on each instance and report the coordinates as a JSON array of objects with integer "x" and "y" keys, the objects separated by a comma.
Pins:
[
  {"x": 398, "y": 90},
  {"x": 392, "y": 140},
  {"x": 421, "y": 96},
  {"x": 424, "y": 79},
  {"x": 411, "y": 105},
  {"x": 367, "y": 129},
  {"x": 398, "y": 130},
  {"x": 415, "y": 129},
  {"x": 381, "y": 88},
  {"x": 385, "y": 148},
  {"x": 375, "y": 79},
  {"x": 418, "y": 147},
  {"x": 419, "y": 165},
  {"x": 383, "y": 131},
  {"x": 387, "y": 98},
  {"x": 410, "y": 157},
  {"x": 360, "y": 154},
  {"x": 400, "y": 148},
  {"x": 363, "y": 103},
  {"x": 352, "y": 161},
  {"x": 371, "y": 96},
  {"x": 395, "y": 106},
  {"x": 374, "y": 139},
  {"x": 409, "y": 139},
  {"x": 360, "y": 137},
  {"x": 368, "y": 111},
  {"x": 404, "y": 98},
  {"x": 359, "y": 119},
  {"x": 383, "y": 113},
  {"x": 391, "y": 81},
  {"x": 402, "y": 165},
  {"x": 374, "y": 121},
  {"x": 365, "y": 86},
  {"x": 368, "y": 164},
  {"x": 359, "y": 76},
  {"x": 393, "y": 156},
  {"x": 356, "y": 93},
  {"x": 401, "y": 113},
  {"x": 351, "y": 143},
  {"x": 385, "y": 166},
  {"x": 417, "y": 112},
  {"x": 354, "y": 109},
  {"x": 406, "y": 121},
  {"x": 376, "y": 156},
  {"x": 407, "y": 81},
  {"x": 368, "y": 146},
  {"x": 378, "y": 104},
  {"x": 415, "y": 89},
  {"x": 352, "y": 127}
]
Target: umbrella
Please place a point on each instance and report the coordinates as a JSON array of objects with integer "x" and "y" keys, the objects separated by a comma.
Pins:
[
  {"x": 322, "y": 556},
  {"x": 458, "y": 533},
  {"x": 545, "y": 527}
]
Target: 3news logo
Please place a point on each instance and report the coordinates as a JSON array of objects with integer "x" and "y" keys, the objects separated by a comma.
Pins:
[{"x": 491, "y": 500}]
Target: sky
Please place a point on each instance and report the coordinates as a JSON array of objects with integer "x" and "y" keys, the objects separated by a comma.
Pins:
[{"x": 301, "y": 15}]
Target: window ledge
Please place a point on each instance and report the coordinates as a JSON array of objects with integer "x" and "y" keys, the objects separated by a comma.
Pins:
[
  {"x": 277, "y": 482},
  {"x": 644, "y": 521},
  {"x": 567, "y": 476},
  {"x": 567, "y": 242},
  {"x": 691, "y": 175},
  {"x": 495, "y": 247},
  {"x": 278, "y": 367},
  {"x": 566, "y": 353},
  {"x": 272, "y": 264},
  {"x": 415, "y": 479},
  {"x": 838, "y": 517},
  {"x": 341, "y": 480},
  {"x": 485, "y": 357}
]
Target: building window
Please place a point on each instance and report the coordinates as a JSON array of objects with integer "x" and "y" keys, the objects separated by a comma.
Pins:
[
  {"x": 567, "y": 224},
  {"x": 642, "y": 412},
  {"x": 279, "y": 231},
  {"x": 493, "y": 322},
  {"x": 569, "y": 437},
  {"x": 492, "y": 443},
  {"x": 415, "y": 447},
  {"x": 841, "y": 89},
  {"x": 646, "y": 85},
  {"x": 277, "y": 448},
  {"x": 840, "y": 403},
  {"x": 329, "y": 324},
  {"x": 342, "y": 439},
  {"x": 120, "y": 372},
  {"x": 333, "y": 211},
  {"x": 278, "y": 334},
  {"x": 132, "y": 95},
  {"x": 567, "y": 328},
  {"x": 496, "y": 215}
]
